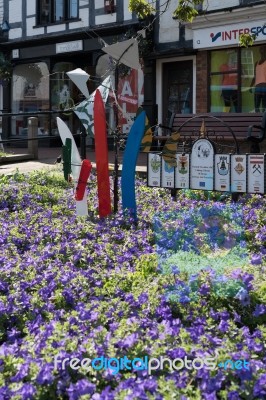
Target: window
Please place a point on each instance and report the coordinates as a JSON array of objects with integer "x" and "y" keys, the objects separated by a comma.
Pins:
[
  {"x": 30, "y": 92},
  {"x": 109, "y": 6},
  {"x": 57, "y": 11},
  {"x": 238, "y": 80}
]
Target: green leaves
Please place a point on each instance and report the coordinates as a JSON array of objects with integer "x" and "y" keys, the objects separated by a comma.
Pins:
[
  {"x": 246, "y": 39},
  {"x": 185, "y": 11},
  {"x": 141, "y": 8}
]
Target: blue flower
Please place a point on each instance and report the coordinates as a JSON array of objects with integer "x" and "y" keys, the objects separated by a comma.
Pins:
[
  {"x": 259, "y": 310},
  {"x": 243, "y": 297},
  {"x": 256, "y": 259}
]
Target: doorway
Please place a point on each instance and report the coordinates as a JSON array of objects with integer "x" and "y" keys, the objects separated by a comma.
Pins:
[{"x": 177, "y": 89}]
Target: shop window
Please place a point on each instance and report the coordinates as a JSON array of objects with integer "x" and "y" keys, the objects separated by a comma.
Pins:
[
  {"x": 57, "y": 11},
  {"x": 238, "y": 80},
  {"x": 30, "y": 93},
  {"x": 64, "y": 96}
]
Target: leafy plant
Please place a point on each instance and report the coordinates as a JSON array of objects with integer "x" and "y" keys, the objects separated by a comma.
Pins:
[{"x": 5, "y": 68}]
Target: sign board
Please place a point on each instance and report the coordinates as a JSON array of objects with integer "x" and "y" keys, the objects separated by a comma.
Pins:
[
  {"x": 238, "y": 173},
  {"x": 168, "y": 175},
  {"x": 224, "y": 35},
  {"x": 154, "y": 169},
  {"x": 235, "y": 173},
  {"x": 202, "y": 165},
  {"x": 222, "y": 172},
  {"x": 256, "y": 173},
  {"x": 68, "y": 47},
  {"x": 182, "y": 171}
]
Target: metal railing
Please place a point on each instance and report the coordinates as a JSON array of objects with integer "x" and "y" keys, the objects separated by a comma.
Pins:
[{"x": 32, "y": 130}]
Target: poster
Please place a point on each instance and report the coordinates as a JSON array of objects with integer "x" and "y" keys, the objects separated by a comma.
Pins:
[
  {"x": 154, "y": 170},
  {"x": 202, "y": 165},
  {"x": 256, "y": 173},
  {"x": 238, "y": 173},
  {"x": 222, "y": 172},
  {"x": 182, "y": 171},
  {"x": 168, "y": 175},
  {"x": 130, "y": 96}
]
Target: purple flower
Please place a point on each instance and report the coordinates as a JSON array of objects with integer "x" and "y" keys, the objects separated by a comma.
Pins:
[
  {"x": 45, "y": 375},
  {"x": 82, "y": 387},
  {"x": 21, "y": 374},
  {"x": 27, "y": 391},
  {"x": 223, "y": 326},
  {"x": 260, "y": 309},
  {"x": 233, "y": 395},
  {"x": 256, "y": 259},
  {"x": 204, "y": 289},
  {"x": 260, "y": 387},
  {"x": 243, "y": 297}
]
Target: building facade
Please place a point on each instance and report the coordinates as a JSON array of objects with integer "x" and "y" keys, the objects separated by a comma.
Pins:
[
  {"x": 199, "y": 67},
  {"x": 48, "y": 38},
  {"x": 188, "y": 68}
]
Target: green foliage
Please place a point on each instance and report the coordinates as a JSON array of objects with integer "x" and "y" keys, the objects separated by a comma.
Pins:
[
  {"x": 246, "y": 39},
  {"x": 141, "y": 8},
  {"x": 5, "y": 68},
  {"x": 185, "y": 11},
  {"x": 192, "y": 263}
]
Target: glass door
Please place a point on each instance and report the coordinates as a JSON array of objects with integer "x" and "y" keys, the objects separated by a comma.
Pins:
[{"x": 177, "y": 89}]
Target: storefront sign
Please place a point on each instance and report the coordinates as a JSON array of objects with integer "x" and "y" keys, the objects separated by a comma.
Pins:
[
  {"x": 225, "y": 35},
  {"x": 202, "y": 164},
  {"x": 67, "y": 47}
]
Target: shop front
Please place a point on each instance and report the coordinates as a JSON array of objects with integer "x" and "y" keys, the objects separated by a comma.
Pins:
[
  {"x": 235, "y": 76},
  {"x": 40, "y": 86}
]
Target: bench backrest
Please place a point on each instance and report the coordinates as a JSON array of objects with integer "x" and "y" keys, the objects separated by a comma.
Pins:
[{"x": 238, "y": 122}]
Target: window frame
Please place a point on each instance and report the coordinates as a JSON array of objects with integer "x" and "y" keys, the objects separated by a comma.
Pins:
[
  {"x": 245, "y": 79},
  {"x": 49, "y": 6}
]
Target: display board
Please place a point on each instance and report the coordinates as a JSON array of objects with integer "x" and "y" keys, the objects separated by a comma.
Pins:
[{"x": 202, "y": 169}]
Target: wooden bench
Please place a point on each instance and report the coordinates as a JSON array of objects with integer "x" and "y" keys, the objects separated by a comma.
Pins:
[{"x": 226, "y": 130}]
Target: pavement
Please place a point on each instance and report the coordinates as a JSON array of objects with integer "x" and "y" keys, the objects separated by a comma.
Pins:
[{"x": 47, "y": 160}]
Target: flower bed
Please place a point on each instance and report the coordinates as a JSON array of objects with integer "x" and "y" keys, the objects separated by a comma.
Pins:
[{"x": 71, "y": 287}]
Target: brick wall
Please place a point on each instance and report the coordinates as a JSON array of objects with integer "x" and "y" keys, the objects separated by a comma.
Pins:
[{"x": 201, "y": 82}]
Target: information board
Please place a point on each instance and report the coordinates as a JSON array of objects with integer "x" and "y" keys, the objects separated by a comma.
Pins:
[
  {"x": 154, "y": 169},
  {"x": 256, "y": 173},
  {"x": 238, "y": 173},
  {"x": 222, "y": 172},
  {"x": 182, "y": 171},
  {"x": 168, "y": 175},
  {"x": 202, "y": 165}
]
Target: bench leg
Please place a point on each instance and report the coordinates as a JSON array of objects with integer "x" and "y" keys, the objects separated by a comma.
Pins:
[
  {"x": 254, "y": 148},
  {"x": 235, "y": 197}
]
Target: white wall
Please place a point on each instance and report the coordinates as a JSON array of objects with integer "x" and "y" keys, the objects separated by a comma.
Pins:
[
  {"x": 169, "y": 27},
  {"x": 15, "y": 11},
  {"x": 219, "y": 4}
]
